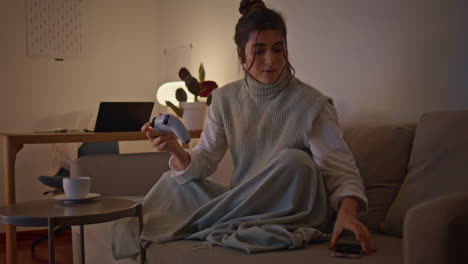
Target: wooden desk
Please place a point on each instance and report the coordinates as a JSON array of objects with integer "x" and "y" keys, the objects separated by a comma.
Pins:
[{"x": 14, "y": 142}]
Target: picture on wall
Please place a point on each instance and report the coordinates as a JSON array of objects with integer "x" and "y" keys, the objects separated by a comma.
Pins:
[{"x": 55, "y": 28}]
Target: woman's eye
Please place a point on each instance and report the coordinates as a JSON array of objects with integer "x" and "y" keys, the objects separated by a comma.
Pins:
[{"x": 278, "y": 50}]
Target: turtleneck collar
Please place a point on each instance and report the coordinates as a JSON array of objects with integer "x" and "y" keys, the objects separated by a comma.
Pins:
[{"x": 257, "y": 88}]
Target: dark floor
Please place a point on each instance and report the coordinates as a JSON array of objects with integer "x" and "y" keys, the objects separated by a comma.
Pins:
[{"x": 63, "y": 249}]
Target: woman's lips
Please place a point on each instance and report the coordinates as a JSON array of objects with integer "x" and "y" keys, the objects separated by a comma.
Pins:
[{"x": 269, "y": 71}]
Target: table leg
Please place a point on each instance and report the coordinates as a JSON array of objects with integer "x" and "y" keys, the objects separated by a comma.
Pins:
[
  {"x": 82, "y": 244},
  {"x": 11, "y": 257},
  {"x": 51, "y": 226},
  {"x": 140, "y": 225},
  {"x": 9, "y": 155}
]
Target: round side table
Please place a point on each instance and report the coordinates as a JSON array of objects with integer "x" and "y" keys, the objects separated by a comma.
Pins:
[{"x": 52, "y": 213}]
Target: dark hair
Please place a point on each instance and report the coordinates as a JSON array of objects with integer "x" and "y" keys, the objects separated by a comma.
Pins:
[{"x": 257, "y": 17}]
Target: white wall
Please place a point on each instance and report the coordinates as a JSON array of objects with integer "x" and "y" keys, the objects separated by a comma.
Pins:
[
  {"x": 381, "y": 60},
  {"x": 209, "y": 26}
]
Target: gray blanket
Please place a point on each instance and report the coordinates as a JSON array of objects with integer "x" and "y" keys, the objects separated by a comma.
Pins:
[{"x": 283, "y": 206}]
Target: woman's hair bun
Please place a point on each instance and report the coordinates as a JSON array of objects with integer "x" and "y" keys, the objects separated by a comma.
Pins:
[{"x": 248, "y": 5}]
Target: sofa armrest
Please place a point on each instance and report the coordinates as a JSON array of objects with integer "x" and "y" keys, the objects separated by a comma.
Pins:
[
  {"x": 436, "y": 231},
  {"x": 122, "y": 174}
]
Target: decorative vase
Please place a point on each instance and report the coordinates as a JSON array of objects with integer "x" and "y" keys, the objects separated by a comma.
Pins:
[{"x": 194, "y": 115}]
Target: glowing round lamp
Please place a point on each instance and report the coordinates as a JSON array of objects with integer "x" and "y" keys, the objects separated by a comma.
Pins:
[{"x": 166, "y": 92}]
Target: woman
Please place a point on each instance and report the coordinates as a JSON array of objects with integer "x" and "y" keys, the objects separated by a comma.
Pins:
[{"x": 293, "y": 169}]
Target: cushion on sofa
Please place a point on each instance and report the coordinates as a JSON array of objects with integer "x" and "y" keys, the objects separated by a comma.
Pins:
[
  {"x": 437, "y": 166},
  {"x": 98, "y": 250},
  {"x": 381, "y": 152},
  {"x": 390, "y": 251}
]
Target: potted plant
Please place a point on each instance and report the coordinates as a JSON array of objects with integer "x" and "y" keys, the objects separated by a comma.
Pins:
[{"x": 193, "y": 113}]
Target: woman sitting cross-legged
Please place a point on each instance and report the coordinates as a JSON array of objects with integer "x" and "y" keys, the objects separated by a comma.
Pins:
[{"x": 293, "y": 172}]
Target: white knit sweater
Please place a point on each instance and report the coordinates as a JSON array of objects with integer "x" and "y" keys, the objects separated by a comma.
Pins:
[{"x": 256, "y": 121}]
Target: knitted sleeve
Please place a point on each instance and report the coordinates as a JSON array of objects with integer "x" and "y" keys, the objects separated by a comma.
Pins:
[
  {"x": 206, "y": 156},
  {"x": 336, "y": 162}
]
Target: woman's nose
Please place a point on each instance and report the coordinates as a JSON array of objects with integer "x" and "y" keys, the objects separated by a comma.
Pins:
[{"x": 269, "y": 58}]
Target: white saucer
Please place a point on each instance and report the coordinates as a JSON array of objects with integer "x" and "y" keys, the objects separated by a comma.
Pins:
[{"x": 89, "y": 196}]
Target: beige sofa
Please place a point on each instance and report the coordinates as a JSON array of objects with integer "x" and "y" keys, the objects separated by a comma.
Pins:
[{"x": 416, "y": 178}]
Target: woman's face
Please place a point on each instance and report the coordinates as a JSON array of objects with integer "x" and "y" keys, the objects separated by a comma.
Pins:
[{"x": 267, "y": 55}]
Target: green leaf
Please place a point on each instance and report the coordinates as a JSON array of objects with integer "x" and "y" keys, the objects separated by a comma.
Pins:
[
  {"x": 181, "y": 95},
  {"x": 177, "y": 110},
  {"x": 192, "y": 85},
  {"x": 209, "y": 99},
  {"x": 201, "y": 73},
  {"x": 183, "y": 73}
]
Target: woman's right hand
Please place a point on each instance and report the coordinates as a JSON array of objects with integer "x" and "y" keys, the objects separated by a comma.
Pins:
[
  {"x": 169, "y": 143},
  {"x": 160, "y": 140}
]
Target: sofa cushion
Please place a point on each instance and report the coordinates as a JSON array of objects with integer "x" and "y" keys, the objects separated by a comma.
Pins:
[
  {"x": 437, "y": 166},
  {"x": 98, "y": 250},
  {"x": 381, "y": 152},
  {"x": 389, "y": 251}
]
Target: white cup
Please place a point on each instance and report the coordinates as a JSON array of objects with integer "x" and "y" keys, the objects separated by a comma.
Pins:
[{"x": 76, "y": 187}]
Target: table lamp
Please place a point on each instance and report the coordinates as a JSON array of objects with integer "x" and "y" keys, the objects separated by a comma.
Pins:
[{"x": 167, "y": 91}]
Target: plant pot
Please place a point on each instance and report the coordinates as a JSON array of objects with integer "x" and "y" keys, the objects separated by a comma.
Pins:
[{"x": 194, "y": 115}]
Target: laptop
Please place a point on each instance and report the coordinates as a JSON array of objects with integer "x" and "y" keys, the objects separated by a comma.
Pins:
[{"x": 122, "y": 116}]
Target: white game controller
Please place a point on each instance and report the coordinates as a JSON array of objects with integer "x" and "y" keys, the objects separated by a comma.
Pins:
[{"x": 171, "y": 124}]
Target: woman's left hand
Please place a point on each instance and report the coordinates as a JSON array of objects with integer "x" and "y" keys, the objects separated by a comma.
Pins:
[{"x": 347, "y": 219}]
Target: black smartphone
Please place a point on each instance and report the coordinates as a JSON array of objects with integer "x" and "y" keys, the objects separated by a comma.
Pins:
[{"x": 347, "y": 250}]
